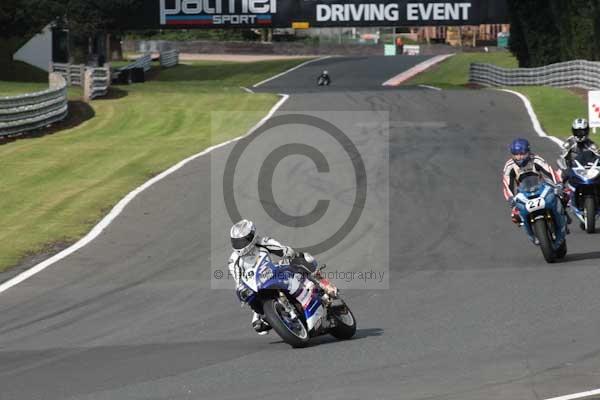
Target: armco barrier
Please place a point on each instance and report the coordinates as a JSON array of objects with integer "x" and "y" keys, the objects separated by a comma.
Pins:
[
  {"x": 578, "y": 73},
  {"x": 73, "y": 73},
  {"x": 144, "y": 61},
  {"x": 97, "y": 82},
  {"x": 31, "y": 111},
  {"x": 169, "y": 58}
]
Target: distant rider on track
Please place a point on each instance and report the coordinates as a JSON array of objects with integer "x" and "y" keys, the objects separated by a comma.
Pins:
[{"x": 324, "y": 79}]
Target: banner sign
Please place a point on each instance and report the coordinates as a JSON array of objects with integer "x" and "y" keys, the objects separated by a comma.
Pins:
[
  {"x": 594, "y": 108},
  {"x": 189, "y": 14}
]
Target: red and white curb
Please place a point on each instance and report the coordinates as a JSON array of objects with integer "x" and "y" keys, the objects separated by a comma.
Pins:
[{"x": 417, "y": 69}]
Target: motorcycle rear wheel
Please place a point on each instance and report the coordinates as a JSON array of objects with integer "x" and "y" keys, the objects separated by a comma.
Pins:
[
  {"x": 561, "y": 252},
  {"x": 589, "y": 212}
]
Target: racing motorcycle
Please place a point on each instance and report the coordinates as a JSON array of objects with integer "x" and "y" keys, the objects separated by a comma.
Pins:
[
  {"x": 583, "y": 179},
  {"x": 543, "y": 216},
  {"x": 323, "y": 80},
  {"x": 292, "y": 304}
]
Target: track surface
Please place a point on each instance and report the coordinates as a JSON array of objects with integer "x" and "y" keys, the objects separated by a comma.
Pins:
[
  {"x": 347, "y": 74},
  {"x": 472, "y": 312}
]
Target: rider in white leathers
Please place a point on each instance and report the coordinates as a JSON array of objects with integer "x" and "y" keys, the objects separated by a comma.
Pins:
[{"x": 246, "y": 246}]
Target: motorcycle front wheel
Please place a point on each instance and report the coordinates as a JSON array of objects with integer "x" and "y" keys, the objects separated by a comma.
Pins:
[
  {"x": 291, "y": 328},
  {"x": 345, "y": 322},
  {"x": 540, "y": 227}
]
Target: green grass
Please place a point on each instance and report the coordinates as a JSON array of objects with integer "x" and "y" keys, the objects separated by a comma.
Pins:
[
  {"x": 16, "y": 88},
  {"x": 454, "y": 72},
  {"x": 56, "y": 187},
  {"x": 214, "y": 74},
  {"x": 556, "y": 108}
]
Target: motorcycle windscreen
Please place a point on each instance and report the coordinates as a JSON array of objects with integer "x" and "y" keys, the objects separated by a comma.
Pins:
[
  {"x": 530, "y": 184},
  {"x": 586, "y": 158}
]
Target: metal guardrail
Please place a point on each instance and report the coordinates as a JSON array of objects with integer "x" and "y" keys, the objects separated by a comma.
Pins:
[
  {"x": 144, "y": 61},
  {"x": 579, "y": 73},
  {"x": 169, "y": 58},
  {"x": 73, "y": 73},
  {"x": 34, "y": 110},
  {"x": 99, "y": 82}
]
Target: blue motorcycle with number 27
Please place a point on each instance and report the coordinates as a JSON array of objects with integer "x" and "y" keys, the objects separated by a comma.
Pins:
[
  {"x": 543, "y": 216},
  {"x": 291, "y": 303}
]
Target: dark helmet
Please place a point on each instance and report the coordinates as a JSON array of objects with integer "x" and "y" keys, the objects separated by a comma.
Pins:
[
  {"x": 520, "y": 147},
  {"x": 580, "y": 129}
]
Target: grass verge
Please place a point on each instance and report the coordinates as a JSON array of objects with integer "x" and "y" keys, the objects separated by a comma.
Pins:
[
  {"x": 453, "y": 73},
  {"x": 556, "y": 108},
  {"x": 17, "y": 88},
  {"x": 54, "y": 188}
]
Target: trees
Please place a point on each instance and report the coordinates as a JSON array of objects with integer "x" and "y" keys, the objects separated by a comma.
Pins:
[
  {"x": 549, "y": 31},
  {"x": 21, "y": 19},
  {"x": 24, "y": 18},
  {"x": 89, "y": 16}
]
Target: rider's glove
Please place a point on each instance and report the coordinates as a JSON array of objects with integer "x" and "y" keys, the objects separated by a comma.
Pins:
[
  {"x": 512, "y": 202},
  {"x": 559, "y": 189}
]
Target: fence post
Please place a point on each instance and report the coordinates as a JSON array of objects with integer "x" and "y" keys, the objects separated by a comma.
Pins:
[
  {"x": 87, "y": 82},
  {"x": 69, "y": 81},
  {"x": 82, "y": 72},
  {"x": 108, "y": 74}
]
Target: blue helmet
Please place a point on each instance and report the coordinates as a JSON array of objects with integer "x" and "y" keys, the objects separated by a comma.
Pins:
[{"x": 520, "y": 146}]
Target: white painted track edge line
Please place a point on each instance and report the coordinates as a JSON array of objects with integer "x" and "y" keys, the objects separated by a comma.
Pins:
[
  {"x": 430, "y": 87},
  {"x": 538, "y": 129},
  {"x": 120, "y": 206},
  {"x": 534, "y": 119},
  {"x": 579, "y": 395},
  {"x": 290, "y": 70}
]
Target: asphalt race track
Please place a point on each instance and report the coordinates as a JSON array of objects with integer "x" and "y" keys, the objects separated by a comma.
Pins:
[
  {"x": 347, "y": 74},
  {"x": 472, "y": 310}
]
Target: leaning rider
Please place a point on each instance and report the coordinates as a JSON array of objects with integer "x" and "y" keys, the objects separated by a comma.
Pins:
[
  {"x": 246, "y": 247},
  {"x": 325, "y": 78},
  {"x": 522, "y": 163}
]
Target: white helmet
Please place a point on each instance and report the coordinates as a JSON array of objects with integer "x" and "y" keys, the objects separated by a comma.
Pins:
[
  {"x": 580, "y": 129},
  {"x": 243, "y": 237},
  {"x": 325, "y": 72}
]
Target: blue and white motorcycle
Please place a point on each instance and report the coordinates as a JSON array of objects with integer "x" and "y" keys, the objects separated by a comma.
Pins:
[
  {"x": 292, "y": 303},
  {"x": 583, "y": 179},
  {"x": 543, "y": 216}
]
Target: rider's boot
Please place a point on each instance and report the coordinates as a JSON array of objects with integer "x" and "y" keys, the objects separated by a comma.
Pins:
[
  {"x": 261, "y": 326},
  {"x": 516, "y": 217}
]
